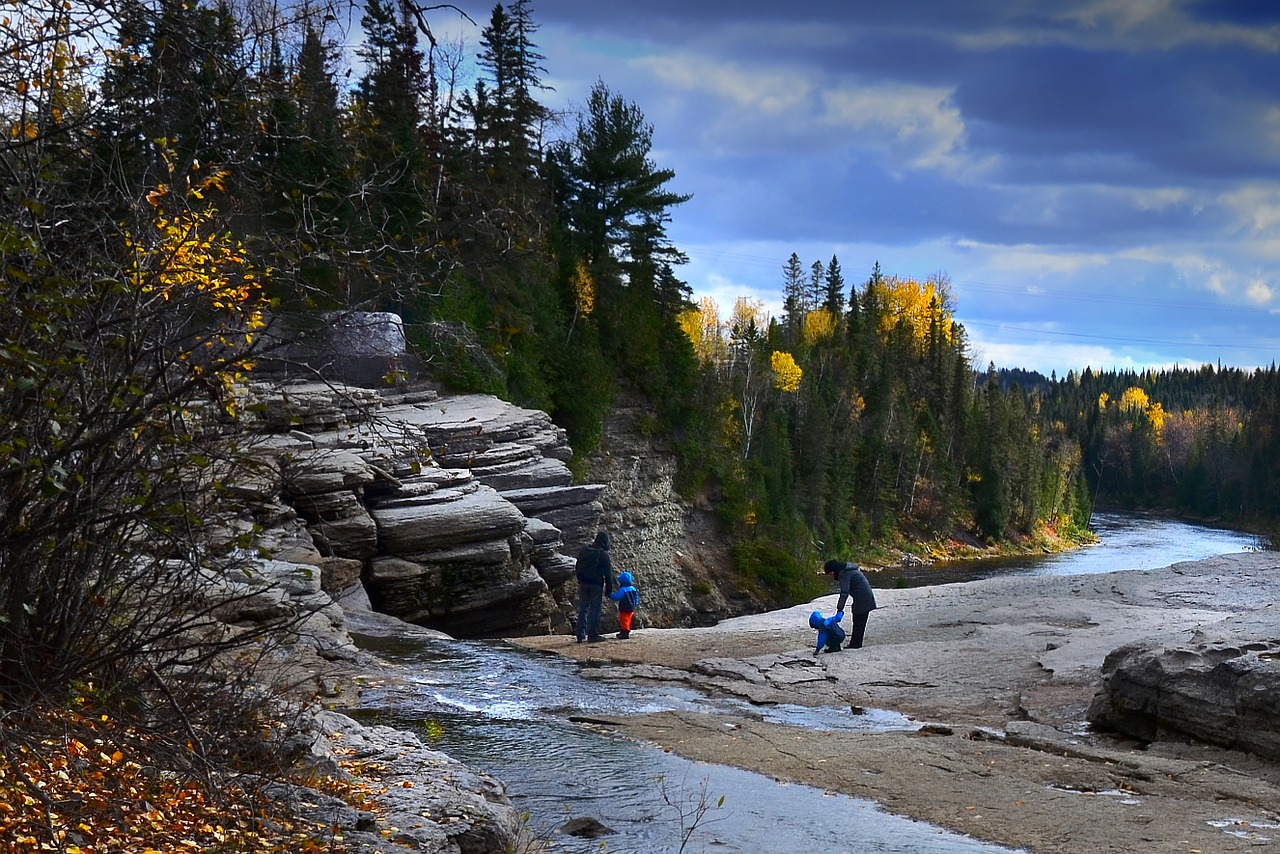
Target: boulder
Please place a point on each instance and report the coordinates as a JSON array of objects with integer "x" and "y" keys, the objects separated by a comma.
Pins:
[{"x": 1218, "y": 689}]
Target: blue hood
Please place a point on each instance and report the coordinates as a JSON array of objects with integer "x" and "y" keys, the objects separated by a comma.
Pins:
[
  {"x": 815, "y": 620},
  {"x": 624, "y": 579}
]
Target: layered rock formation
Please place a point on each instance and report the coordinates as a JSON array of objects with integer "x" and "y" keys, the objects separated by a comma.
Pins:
[
  {"x": 682, "y": 568},
  {"x": 459, "y": 513}
]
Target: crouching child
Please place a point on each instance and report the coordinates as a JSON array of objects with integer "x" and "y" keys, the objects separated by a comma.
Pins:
[
  {"x": 830, "y": 635},
  {"x": 628, "y": 599}
]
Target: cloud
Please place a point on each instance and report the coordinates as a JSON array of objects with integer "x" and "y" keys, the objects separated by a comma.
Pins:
[
  {"x": 1100, "y": 178},
  {"x": 911, "y": 126},
  {"x": 772, "y": 92}
]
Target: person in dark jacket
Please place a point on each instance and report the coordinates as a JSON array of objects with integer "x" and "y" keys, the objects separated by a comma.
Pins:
[
  {"x": 628, "y": 599},
  {"x": 830, "y": 634},
  {"x": 853, "y": 584},
  {"x": 595, "y": 580}
]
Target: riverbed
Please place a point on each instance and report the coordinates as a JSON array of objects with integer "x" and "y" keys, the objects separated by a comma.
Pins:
[
  {"x": 533, "y": 721},
  {"x": 738, "y": 740}
]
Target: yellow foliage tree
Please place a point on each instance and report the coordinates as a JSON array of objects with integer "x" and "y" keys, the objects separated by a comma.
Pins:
[
  {"x": 1134, "y": 399},
  {"x": 191, "y": 259},
  {"x": 1156, "y": 417},
  {"x": 748, "y": 314},
  {"x": 818, "y": 324},
  {"x": 584, "y": 289},
  {"x": 786, "y": 373},
  {"x": 916, "y": 307},
  {"x": 705, "y": 331}
]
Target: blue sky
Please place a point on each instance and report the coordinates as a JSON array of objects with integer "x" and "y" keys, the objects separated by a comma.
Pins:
[{"x": 1100, "y": 179}]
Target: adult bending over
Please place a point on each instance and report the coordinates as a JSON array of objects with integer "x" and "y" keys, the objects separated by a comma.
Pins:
[{"x": 853, "y": 584}]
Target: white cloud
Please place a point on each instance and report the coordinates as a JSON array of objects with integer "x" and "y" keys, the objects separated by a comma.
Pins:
[
  {"x": 1260, "y": 292},
  {"x": 1048, "y": 356},
  {"x": 919, "y": 125},
  {"x": 1032, "y": 262},
  {"x": 768, "y": 89},
  {"x": 1256, "y": 206}
]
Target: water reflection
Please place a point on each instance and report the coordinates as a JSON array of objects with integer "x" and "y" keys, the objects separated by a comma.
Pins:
[{"x": 1127, "y": 541}]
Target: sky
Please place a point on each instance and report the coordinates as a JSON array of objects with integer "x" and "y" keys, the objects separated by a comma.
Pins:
[{"x": 1099, "y": 179}]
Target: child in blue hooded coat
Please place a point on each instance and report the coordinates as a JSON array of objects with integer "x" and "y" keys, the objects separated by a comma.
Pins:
[
  {"x": 628, "y": 599},
  {"x": 830, "y": 634}
]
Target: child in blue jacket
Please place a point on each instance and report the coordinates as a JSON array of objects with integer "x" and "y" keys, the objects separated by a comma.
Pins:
[
  {"x": 830, "y": 634},
  {"x": 628, "y": 599}
]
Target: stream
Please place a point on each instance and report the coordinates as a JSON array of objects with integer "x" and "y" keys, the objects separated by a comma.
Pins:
[{"x": 512, "y": 712}]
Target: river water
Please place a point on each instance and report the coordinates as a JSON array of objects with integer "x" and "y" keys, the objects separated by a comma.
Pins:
[
  {"x": 519, "y": 715},
  {"x": 1126, "y": 541}
]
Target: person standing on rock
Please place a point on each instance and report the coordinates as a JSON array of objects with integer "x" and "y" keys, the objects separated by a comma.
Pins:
[
  {"x": 595, "y": 580},
  {"x": 628, "y": 599},
  {"x": 853, "y": 584}
]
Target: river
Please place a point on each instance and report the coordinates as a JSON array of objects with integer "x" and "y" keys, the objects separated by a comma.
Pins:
[
  {"x": 520, "y": 715},
  {"x": 1125, "y": 541}
]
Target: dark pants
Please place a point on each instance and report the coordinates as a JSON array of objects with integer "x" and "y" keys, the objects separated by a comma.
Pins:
[
  {"x": 589, "y": 599},
  {"x": 857, "y": 630}
]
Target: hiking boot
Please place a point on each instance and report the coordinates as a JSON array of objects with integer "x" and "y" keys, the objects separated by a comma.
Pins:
[
  {"x": 623, "y": 635},
  {"x": 597, "y": 639}
]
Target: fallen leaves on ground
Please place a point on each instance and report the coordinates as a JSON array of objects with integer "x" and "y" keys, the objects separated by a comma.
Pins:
[{"x": 83, "y": 784}]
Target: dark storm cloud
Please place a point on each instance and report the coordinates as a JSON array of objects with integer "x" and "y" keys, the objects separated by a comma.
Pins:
[{"x": 1062, "y": 153}]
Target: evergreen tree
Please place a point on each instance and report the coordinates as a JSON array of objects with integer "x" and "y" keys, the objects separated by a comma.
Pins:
[
  {"x": 834, "y": 280},
  {"x": 510, "y": 127},
  {"x": 608, "y": 193},
  {"x": 794, "y": 296},
  {"x": 390, "y": 159}
]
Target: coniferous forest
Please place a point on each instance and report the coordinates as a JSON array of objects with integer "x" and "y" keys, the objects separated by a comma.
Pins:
[{"x": 528, "y": 253}]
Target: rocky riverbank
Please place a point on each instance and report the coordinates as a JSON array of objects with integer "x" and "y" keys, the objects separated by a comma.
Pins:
[{"x": 1001, "y": 675}]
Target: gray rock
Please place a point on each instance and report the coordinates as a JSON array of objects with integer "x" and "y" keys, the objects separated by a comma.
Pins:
[
  {"x": 432, "y": 802},
  {"x": 482, "y": 515},
  {"x": 536, "y": 500},
  {"x": 338, "y": 574},
  {"x": 325, "y": 470},
  {"x": 509, "y": 599},
  {"x": 585, "y": 828},
  {"x": 1220, "y": 689},
  {"x": 339, "y": 524}
]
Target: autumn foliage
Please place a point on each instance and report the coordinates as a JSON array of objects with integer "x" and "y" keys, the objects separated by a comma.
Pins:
[{"x": 81, "y": 782}]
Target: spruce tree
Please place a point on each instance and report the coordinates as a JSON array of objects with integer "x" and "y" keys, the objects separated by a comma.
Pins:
[{"x": 833, "y": 278}]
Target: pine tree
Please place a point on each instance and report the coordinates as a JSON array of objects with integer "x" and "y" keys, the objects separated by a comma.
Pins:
[
  {"x": 608, "y": 192},
  {"x": 511, "y": 60},
  {"x": 390, "y": 159}
]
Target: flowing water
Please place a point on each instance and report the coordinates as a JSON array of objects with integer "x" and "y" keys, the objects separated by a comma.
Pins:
[
  {"x": 1126, "y": 541},
  {"x": 518, "y": 714}
]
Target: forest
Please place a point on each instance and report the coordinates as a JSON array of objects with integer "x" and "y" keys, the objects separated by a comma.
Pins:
[{"x": 528, "y": 254}]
